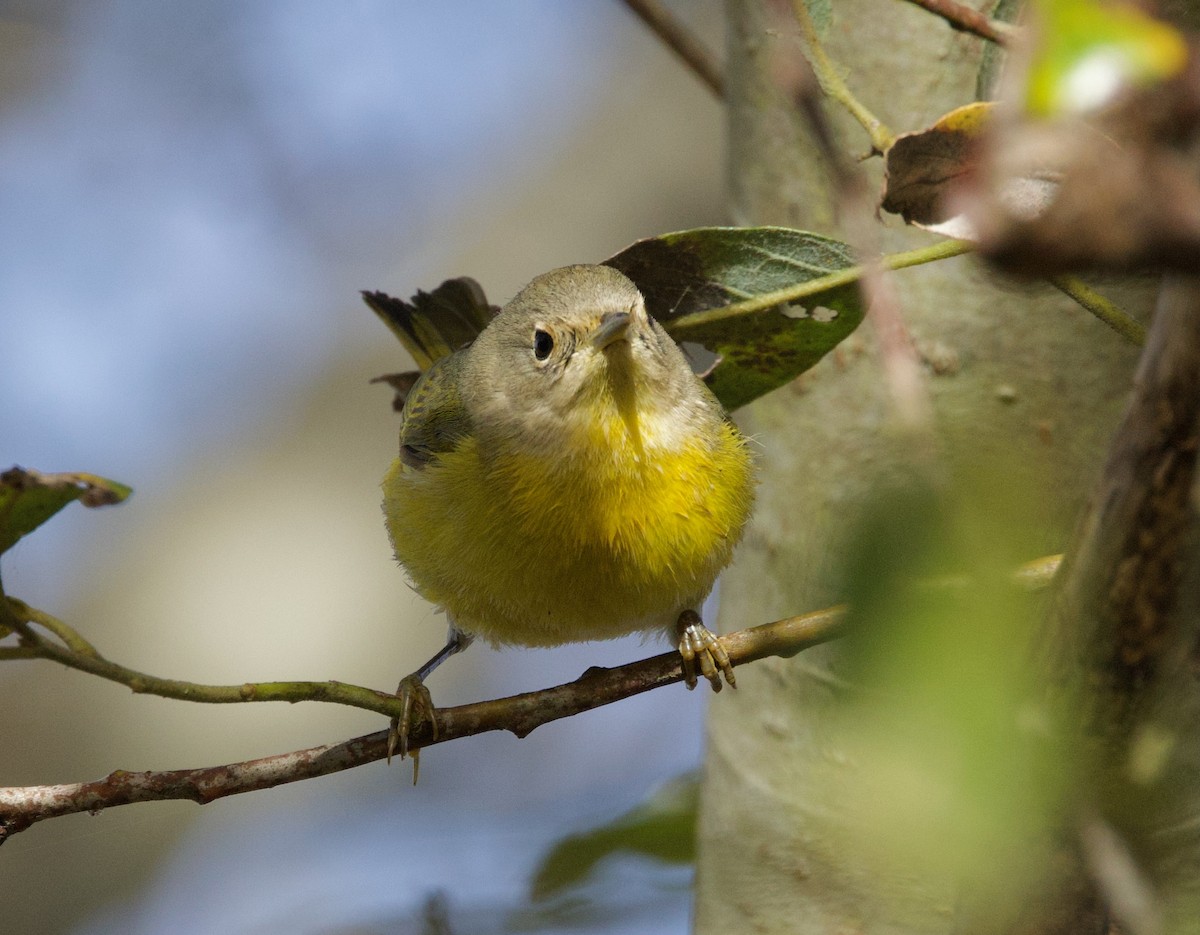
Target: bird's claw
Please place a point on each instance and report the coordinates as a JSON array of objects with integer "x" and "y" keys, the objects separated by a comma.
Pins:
[
  {"x": 414, "y": 699},
  {"x": 698, "y": 644}
]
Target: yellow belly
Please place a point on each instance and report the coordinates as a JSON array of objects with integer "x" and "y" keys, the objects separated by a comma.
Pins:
[{"x": 537, "y": 551}]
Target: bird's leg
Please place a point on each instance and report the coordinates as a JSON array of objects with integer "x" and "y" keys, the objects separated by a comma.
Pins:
[
  {"x": 698, "y": 644},
  {"x": 415, "y": 697}
]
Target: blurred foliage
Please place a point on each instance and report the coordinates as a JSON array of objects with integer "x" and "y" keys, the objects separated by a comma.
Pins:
[
  {"x": 662, "y": 828},
  {"x": 955, "y": 767},
  {"x": 922, "y": 167},
  {"x": 1088, "y": 51}
]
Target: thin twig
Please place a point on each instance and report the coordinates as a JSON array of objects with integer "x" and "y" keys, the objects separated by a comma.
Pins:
[
  {"x": 682, "y": 41},
  {"x": 963, "y": 18},
  {"x": 1108, "y": 312},
  {"x": 73, "y": 640},
  {"x": 22, "y": 807},
  {"x": 833, "y": 84},
  {"x": 88, "y": 659},
  {"x": 903, "y": 374}
]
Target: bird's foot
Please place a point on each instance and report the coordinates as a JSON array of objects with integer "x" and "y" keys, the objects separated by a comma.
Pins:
[
  {"x": 699, "y": 645},
  {"x": 415, "y": 700}
]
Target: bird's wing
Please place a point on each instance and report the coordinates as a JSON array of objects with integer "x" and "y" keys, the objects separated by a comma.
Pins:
[{"x": 435, "y": 420}]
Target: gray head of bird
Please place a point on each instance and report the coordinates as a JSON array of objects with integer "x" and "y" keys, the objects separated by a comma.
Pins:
[{"x": 576, "y": 352}]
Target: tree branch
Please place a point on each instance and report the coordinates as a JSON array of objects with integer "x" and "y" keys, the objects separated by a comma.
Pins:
[
  {"x": 964, "y": 19},
  {"x": 77, "y": 653},
  {"x": 682, "y": 41},
  {"x": 1116, "y": 616},
  {"x": 1120, "y": 649},
  {"x": 22, "y": 807}
]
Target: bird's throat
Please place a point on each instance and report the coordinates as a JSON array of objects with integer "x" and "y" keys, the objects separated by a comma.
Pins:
[{"x": 625, "y": 397}]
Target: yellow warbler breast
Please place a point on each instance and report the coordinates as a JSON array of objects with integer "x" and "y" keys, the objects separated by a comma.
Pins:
[{"x": 608, "y": 533}]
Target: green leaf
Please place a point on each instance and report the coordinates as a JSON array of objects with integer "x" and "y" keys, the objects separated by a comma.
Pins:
[
  {"x": 1088, "y": 52},
  {"x": 28, "y": 498},
  {"x": 695, "y": 271},
  {"x": 663, "y": 827}
]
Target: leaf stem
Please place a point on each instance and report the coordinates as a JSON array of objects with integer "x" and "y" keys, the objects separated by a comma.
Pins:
[
  {"x": 941, "y": 250},
  {"x": 1107, "y": 311},
  {"x": 835, "y": 86}
]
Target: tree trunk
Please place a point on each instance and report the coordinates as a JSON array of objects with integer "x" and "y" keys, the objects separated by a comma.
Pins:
[
  {"x": 1017, "y": 374},
  {"x": 1123, "y": 643}
]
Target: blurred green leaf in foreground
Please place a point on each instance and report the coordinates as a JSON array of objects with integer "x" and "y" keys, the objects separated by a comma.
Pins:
[{"x": 954, "y": 762}]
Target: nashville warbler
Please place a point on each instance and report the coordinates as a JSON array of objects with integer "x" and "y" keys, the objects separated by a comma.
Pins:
[{"x": 566, "y": 477}]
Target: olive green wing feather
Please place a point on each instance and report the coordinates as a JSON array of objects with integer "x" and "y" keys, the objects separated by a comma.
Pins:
[{"x": 435, "y": 419}]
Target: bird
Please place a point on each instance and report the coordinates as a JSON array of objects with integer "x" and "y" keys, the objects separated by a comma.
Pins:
[{"x": 564, "y": 477}]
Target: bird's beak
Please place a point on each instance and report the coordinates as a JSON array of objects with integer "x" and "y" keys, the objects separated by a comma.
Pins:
[{"x": 613, "y": 327}]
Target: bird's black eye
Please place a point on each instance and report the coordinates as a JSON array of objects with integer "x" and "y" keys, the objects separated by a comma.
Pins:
[{"x": 543, "y": 344}]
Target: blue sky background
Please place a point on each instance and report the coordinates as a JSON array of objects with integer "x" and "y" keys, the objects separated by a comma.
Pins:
[{"x": 192, "y": 189}]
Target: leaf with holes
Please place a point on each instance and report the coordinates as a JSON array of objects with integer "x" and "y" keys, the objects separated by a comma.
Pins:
[
  {"x": 694, "y": 282},
  {"x": 29, "y": 498}
]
